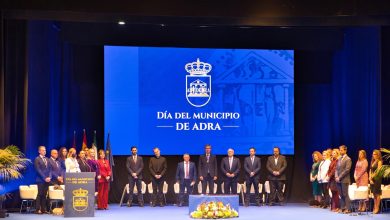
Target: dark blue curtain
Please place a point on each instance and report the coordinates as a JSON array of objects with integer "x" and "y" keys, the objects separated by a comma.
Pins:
[{"x": 344, "y": 111}]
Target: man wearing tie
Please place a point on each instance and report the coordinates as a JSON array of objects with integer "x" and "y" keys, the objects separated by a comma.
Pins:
[
  {"x": 342, "y": 175},
  {"x": 276, "y": 165},
  {"x": 185, "y": 176},
  {"x": 208, "y": 170},
  {"x": 252, "y": 165},
  {"x": 135, "y": 166},
  {"x": 230, "y": 167},
  {"x": 41, "y": 165},
  {"x": 57, "y": 173}
]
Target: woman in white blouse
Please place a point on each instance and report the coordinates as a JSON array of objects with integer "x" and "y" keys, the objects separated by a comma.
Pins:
[
  {"x": 322, "y": 177},
  {"x": 71, "y": 164}
]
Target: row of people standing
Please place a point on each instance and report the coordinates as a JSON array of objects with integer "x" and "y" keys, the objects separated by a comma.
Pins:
[
  {"x": 187, "y": 174},
  {"x": 51, "y": 171},
  {"x": 331, "y": 171}
]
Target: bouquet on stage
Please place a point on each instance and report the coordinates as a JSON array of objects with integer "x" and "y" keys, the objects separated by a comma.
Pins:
[{"x": 214, "y": 210}]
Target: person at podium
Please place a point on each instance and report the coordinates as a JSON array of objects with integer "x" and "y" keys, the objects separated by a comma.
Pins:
[
  {"x": 82, "y": 160},
  {"x": 71, "y": 164},
  {"x": 94, "y": 167}
]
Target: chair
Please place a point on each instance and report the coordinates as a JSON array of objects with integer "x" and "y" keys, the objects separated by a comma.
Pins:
[
  {"x": 357, "y": 194},
  {"x": 207, "y": 188},
  {"x": 252, "y": 190},
  {"x": 28, "y": 194},
  {"x": 165, "y": 190},
  {"x": 238, "y": 187},
  {"x": 55, "y": 196},
  {"x": 126, "y": 189},
  {"x": 267, "y": 190},
  {"x": 385, "y": 197},
  {"x": 176, "y": 189}
]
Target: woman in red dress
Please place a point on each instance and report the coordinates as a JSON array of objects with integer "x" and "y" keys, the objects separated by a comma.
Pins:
[{"x": 103, "y": 185}]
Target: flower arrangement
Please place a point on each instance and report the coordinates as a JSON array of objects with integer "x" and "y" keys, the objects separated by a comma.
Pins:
[{"x": 214, "y": 210}]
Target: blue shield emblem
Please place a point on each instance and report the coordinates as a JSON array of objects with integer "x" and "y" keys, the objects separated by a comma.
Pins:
[{"x": 198, "y": 83}]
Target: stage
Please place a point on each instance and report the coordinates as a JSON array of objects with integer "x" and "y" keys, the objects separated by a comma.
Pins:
[{"x": 295, "y": 210}]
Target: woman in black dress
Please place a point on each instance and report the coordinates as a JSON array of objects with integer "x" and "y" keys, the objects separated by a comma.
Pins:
[{"x": 376, "y": 179}]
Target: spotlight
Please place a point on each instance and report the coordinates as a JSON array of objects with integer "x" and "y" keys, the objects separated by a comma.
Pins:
[{"x": 121, "y": 22}]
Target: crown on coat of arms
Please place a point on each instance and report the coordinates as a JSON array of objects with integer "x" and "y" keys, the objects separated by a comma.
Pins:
[
  {"x": 198, "y": 68},
  {"x": 80, "y": 192}
]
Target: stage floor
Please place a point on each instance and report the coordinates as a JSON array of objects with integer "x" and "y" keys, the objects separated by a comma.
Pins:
[{"x": 301, "y": 211}]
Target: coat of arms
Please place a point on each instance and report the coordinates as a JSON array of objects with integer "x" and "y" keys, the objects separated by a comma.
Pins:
[{"x": 198, "y": 83}]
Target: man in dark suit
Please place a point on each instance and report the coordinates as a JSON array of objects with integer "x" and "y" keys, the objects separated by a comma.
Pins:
[
  {"x": 135, "y": 166},
  {"x": 230, "y": 167},
  {"x": 208, "y": 170},
  {"x": 157, "y": 167},
  {"x": 42, "y": 167},
  {"x": 342, "y": 176},
  {"x": 56, "y": 170},
  {"x": 276, "y": 166},
  {"x": 252, "y": 165},
  {"x": 186, "y": 177}
]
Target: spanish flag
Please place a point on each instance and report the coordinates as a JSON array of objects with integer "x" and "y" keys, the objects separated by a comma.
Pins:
[{"x": 84, "y": 140}]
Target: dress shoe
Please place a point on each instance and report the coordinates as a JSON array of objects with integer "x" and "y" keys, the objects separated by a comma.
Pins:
[
  {"x": 346, "y": 211},
  {"x": 38, "y": 212}
]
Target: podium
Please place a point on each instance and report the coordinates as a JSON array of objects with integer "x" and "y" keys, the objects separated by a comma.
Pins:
[{"x": 79, "y": 194}]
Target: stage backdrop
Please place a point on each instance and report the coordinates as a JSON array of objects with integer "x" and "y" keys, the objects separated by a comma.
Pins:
[{"x": 179, "y": 99}]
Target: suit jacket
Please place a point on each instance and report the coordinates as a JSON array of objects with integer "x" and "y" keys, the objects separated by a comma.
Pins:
[
  {"x": 56, "y": 168},
  {"x": 42, "y": 169},
  {"x": 158, "y": 166},
  {"x": 280, "y": 167},
  {"x": 180, "y": 175},
  {"x": 236, "y": 167},
  {"x": 343, "y": 169},
  {"x": 105, "y": 169},
  {"x": 204, "y": 167},
  {"x": 84, "y": 166},
  {"x": 255, "y": 167},
  {"x": 135, "y": 167}
]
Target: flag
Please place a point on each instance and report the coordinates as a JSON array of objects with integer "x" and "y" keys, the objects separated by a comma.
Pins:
[
  {"x": 74, "y": 140},
  {"x": 84, "y": 140},
  {"x": 110, "y": 158},
  {"x": 94, "y": 144}
]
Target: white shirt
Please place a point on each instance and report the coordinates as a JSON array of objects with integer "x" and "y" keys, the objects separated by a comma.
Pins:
[
  {"x": 230, "y": 162},
  {"x": 323, "y": 170},
  {"x": 72, "y": 166}
]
